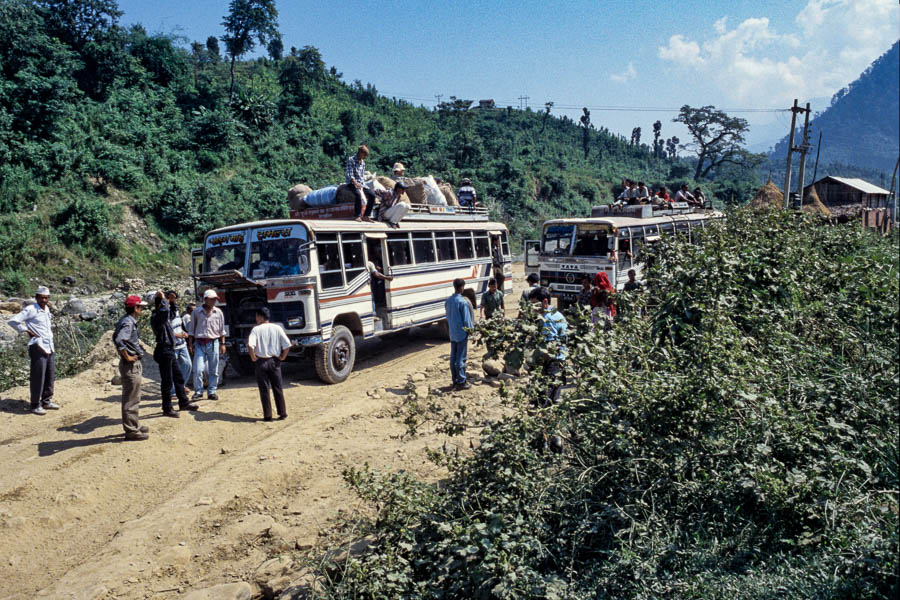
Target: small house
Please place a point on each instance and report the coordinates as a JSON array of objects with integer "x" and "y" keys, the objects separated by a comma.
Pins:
[
  {"x": 845, "y": 194},
  {"x": 487, "y": 103}
]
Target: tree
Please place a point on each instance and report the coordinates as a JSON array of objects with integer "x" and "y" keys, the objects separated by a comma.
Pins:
[
  {"x": 717, "y": 137},
  {"x": 275, "y": 48},
  {"x": 585, "y": 131},
  {"x": 212, "y": 46},
  {"x": 248, "y": 22},
  {"x": 672, "y": 146},
  {"x": 77, "y": 22},
  {"x": 657, "y": 143},
  {"x": 636, "y": 136},
  {"x": 547, "y": 107}
]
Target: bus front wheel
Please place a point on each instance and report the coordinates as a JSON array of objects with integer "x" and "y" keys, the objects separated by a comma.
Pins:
[{"x": 334, "y": 360}]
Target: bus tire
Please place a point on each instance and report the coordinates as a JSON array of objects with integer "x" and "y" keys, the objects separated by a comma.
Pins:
[{"x": 334, "y": 360}]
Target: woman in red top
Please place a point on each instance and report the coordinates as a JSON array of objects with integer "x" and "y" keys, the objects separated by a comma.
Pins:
[{"x": 602, "y": 298}]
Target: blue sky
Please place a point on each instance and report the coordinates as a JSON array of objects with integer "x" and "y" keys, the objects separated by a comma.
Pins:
[{"x": 630, "y": 54}]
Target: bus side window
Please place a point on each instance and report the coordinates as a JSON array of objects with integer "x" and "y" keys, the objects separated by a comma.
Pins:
[
  {"x": 464, "y": 249},
  {"x": 399, "y": 251},
  {"x": 423, "y": 247},
  {"x": 505, "y": 241},
  {"x": 354, "y": 263},
  {"x": 482, "y": 245},
  {"x": 446, "y": 249},
  {"x": 329, "y": 260},
  {"x": 637, "y": 244},
  {"x": 624, "y": 249}
]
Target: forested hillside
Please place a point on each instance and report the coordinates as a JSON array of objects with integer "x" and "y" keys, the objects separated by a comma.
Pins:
[
  {"x": 861, "y": 129},
  {"x": 102, "y": 124}
]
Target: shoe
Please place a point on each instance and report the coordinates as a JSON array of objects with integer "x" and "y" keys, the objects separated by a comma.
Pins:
[
  {"x": 282, "y": 417},
  {"x": 197, "y": 398},
  {"x": 189, "y": 406},
  {"x": 212, "y": 397},
  {"x": 465, "y": 385},
  {"x": 136, "y": 436},
  {"x": 368, "y": 220},
  {"x": 171, "y": 413},
  {"x": 144, "y": 429},
  {"x": 37, "y": 410},
  {"x": 51, "y": 406}
]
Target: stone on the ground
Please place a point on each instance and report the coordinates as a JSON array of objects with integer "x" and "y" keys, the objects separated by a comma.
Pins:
[
  {"x": 10, "y": 306},
  {"x": 134, "y": 285},
  {"x": 74, "y": 306},
  {"x": 418, "y": 377},
  {"x": 224, "y": 591},
  {"x": 254, "y": 525},
  {"x": 492, "y": 367},
  {"x": 116, "y": 379},
  {"x": 68, "y": 280},
  {"x": 89, "y": 315}
]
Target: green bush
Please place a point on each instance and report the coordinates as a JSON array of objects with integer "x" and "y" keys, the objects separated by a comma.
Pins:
[
  {"x": 734, "y": 435},
  {"x": 86, "y": 221}
]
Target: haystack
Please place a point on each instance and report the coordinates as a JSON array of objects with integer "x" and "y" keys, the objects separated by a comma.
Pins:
[
  {"x": 812, "y": 203},
  {"x": 768, "y": 196}
]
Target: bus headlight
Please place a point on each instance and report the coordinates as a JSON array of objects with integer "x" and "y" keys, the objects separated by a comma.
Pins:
[{"x": 295, "y": 323}]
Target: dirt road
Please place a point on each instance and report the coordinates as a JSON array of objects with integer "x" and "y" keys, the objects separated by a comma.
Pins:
[{"x": 210, "y": 496}]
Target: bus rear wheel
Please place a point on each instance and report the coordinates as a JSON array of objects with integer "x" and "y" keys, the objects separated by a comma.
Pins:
[{"x": 334, "y": 360}]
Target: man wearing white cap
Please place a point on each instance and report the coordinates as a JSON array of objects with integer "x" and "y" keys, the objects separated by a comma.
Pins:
[
  {"x": 207, "y": 342},
  {"x": 399, "y": 170},
  {"x": 35, "y": 321}
]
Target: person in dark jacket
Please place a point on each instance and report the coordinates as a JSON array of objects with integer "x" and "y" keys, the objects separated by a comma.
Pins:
[
  {"x": 128, "y": 347},
  {"x": 165, "y": 357}
]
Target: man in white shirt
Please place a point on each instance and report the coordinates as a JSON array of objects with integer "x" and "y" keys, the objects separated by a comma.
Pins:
[
  {"x": 683, "y": 195},
  {"x": 35, "y": 321},
  {"x": 269, "y": 345},
  {"x": 206, "y": 340}
]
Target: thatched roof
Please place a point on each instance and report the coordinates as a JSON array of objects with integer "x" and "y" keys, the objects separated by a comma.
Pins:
[
  {"x": 768, "y": 196},
  {"x": 812, "y": 203}
]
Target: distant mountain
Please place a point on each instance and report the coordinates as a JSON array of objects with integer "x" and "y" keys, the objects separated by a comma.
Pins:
[{"x": 861, "y": 128}]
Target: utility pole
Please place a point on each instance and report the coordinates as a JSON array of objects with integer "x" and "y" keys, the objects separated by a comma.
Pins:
[
  {"x": 791, "y": 149},
  {"x": 818, "y": 150},
  {"x": 804, "y": 148},
  {"x": 523, "y": 99},
  {"x": 438, "y": 98}
]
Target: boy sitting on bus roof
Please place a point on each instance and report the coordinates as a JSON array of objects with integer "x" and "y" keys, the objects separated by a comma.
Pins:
[{"x": 392, "y": 209}]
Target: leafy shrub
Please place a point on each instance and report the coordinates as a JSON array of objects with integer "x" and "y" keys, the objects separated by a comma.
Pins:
[
  {"x": 86, "y": 220},
  {"x": 734, "y": 435}
]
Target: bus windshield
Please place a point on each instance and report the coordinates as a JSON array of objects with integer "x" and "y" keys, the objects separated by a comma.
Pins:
[
  {"x": 225, "y": 252},
  {"x": 279, "y": 252},
  {"x": 592, "y": 240},
  {"x": 557, "y": 239}
]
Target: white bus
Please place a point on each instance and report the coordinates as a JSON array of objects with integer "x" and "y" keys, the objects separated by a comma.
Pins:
[
  {"x": 313, "y": 277},
  {"x": 610, "y": 240}
]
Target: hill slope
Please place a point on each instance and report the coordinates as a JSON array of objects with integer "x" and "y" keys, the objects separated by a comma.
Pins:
[{"x": 861, "y": 128}]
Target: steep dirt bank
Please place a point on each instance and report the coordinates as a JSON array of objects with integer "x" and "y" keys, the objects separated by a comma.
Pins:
[{"x": 211, "y": 495}]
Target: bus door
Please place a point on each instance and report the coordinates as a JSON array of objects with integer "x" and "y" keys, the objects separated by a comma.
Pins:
[
  {"x": 532, "y": 249},
  {"x": 375, "y": 254},
  {"x": 196, "y": 268},
  {"x": 499, "y": 257}
]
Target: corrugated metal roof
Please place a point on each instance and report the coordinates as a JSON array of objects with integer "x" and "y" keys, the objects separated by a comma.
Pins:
[{"x": 857, "y": 184}]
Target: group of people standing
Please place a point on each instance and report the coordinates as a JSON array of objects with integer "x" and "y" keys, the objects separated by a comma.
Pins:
[{"x": 635, "y": 192}]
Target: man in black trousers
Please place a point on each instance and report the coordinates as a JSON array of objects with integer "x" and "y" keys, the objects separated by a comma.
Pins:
[
  {"x": 164, "y": 355},
  {"x": 269, "y": 345}
]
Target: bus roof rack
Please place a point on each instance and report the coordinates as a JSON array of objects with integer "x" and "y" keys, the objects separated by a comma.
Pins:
[
  {"x": 417, "y": 212},
  {"x": 643, "y": 211}
]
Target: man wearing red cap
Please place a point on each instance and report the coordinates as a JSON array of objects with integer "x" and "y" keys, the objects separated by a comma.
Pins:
[{"x": 125, "y": 338}]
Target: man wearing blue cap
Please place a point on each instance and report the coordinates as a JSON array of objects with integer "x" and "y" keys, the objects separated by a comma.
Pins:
[{"x": 35, "y": 321}]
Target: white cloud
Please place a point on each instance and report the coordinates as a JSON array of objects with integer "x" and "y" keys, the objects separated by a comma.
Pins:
[
  {"x": 754, "y": 64},
  {"x": 627, "y": 75}
]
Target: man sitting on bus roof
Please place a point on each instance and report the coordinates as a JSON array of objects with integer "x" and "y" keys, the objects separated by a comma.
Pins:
[{"x": 392, "y": 209}]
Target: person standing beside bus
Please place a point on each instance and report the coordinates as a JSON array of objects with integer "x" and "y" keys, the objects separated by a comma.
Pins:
[
  {"x": 356, "y": 173},
  {"x": 207, "y": 341},
  {"x": 459, "y": 319},
  {"x": 128, "y": 346},
  {"x": 554, "y": 329},
  {"x": 171, "y": 378},
  {"x": 269, "y": 346},
  {"x": 492, "y": 301},
  {"x": 182, "y": 356},
  {"x": 35, "y": 321},
  {"x": 602, "y": 304}
]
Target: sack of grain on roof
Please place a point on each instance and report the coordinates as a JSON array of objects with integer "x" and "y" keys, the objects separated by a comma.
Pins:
[
  {"x": 373, "y": 185},
  {"x": 387, "y": 182},
  {"x": 416, "y": 190},
  {"x": 346, "y": 194},
  {"x": 433, "y": 193},
  {"x": 296, "y": 195},
  {"x": 449, "y": 196},
  {"x": 321, "y": 197}
]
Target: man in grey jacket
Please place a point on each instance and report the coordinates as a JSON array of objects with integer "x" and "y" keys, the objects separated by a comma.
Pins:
[{"x": 125, "y": 338}]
